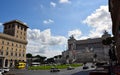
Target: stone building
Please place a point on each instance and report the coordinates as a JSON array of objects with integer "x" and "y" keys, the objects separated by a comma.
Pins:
[
  {"x": 13, "y": 43},
  {"x": 114, "y": 8},
  {"x": 84, "y": 50}
]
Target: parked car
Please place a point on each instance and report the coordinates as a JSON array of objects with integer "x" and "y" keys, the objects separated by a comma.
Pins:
[
  {"x": 1, "y": 73},
  {"x": 85, "y": 67},
  {"x": 70, "y": 68},
  {"x": 4, "y": 70},
  {"x": 54, "y": 70}
]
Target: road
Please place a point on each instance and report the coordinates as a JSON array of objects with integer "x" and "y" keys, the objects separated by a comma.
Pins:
[{"x": 76, "y": 71}]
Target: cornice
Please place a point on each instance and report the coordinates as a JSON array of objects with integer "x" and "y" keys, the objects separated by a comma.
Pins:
[{"x": 12, "y": 38}]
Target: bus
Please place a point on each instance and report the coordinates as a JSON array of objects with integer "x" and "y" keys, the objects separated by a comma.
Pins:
[{"x": 21, "y": 65}]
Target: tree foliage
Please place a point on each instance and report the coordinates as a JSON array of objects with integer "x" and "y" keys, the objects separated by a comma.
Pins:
[
  {"x": 107, "y": 41},
  {"x": 29, "y": 55}
]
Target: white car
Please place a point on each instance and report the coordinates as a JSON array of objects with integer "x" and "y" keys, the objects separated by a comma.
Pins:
[
  {"x": 4, "y": 70},
  {"x": 1, "y": 73}
]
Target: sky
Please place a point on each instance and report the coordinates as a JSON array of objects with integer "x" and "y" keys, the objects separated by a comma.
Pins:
[{"x": 52, "y": 22}]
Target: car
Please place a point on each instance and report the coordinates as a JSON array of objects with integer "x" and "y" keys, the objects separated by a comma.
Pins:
[
  {"x": 54, "y": 70},
  {"x": 4, "y": 70},
  {"x": 1, "y": 73},
  {"x": 85, "y": 67},
  {"x": 70, "y": 68}
]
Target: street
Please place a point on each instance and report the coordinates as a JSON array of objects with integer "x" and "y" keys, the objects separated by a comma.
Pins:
[{"x": 76, "y": 71}]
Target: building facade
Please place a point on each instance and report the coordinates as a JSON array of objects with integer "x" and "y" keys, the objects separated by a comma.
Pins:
[
  {"x": 13, "y": 43},
  {"x": 84, "y": 50},
  {"x": 114, "y": 8}
]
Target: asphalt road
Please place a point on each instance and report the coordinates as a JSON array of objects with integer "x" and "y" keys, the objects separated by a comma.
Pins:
[
  {"x": 46, "y": 72},
  {"x": 76, "y": 71}
]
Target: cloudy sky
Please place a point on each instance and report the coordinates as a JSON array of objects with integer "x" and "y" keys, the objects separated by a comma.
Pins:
[{"x": 51, "y": 22}]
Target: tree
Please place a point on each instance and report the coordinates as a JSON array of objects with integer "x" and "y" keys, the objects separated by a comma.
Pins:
[
  {"x": 50, "y": 60},
  {"x": 108, "y": 41},
  {"x": 60, "y": 56},
  {"x": 40, "y": 58},
  {"x": 29, "y": 55}
]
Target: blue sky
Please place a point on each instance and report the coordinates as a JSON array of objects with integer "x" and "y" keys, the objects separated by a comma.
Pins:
[{"x": 57, "y": 20}]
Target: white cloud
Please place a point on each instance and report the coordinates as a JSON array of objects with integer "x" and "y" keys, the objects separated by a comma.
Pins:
[
  {"x": 53, "y": 4},
  {"x": 64, "y": 1},
  {"x": 76, "y": 33},
  {"x": 43, "y": 43},
  {"x": 99, "y": 20},
  {"x": 49, "y": 21}
]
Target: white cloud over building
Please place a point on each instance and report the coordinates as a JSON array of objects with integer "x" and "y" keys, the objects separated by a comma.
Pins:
[
  {"x": 76, "y": 33},
  {"x": 42, "y": 42},
  {"x": 99, "y": 20}
]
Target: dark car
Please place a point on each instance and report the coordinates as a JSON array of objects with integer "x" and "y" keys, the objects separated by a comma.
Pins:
[
  {"x": 54, "y": 70},
  {"x": 70, "y": 68},
  {"x": 85, "y": 67}
]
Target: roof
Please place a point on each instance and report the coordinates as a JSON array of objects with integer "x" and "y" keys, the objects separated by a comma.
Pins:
[
  {"x": 16, "y": 21},
  {"x": 95, "y": 40}
]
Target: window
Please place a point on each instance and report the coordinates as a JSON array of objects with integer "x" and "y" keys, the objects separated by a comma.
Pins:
[
  {"x": 17, "y": 36},
  {"x": 11, "y": 54},
  {"x": 2, "y": 42},
  {"x": 9, "y": 26},
  {"x": 1, "y": 52},
  {"x": 7, "y": 43},
  {"x": 17, "y": 31},
  {"x": 5, "y": 27},
  {"x": 25, "y": 29},
  {"x": 2, "y": 47},
  {"x": 7, "y": 53},
  {"x": 19, "y": 54},
  {"x": 13, "y": 25},
  {"x": 12, "y": 44},
  {"x": 7, "y": 48},
  {"x": 15, "y": 54},
  {"x": 18, "y": 26},
  {"x": 21, "y": 28},
  {"x": 20, "y": 45}
]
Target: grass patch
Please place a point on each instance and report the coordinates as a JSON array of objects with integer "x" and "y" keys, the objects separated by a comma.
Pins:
[{"x": 48, "y": 67}]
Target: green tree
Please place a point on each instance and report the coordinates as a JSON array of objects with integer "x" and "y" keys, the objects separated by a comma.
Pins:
[
  {"x": 29, "y": 55},
  {"x": 107, "y": 41},
  {"x": 60, "y": 56},
  {"x": 40, "y": 59}
]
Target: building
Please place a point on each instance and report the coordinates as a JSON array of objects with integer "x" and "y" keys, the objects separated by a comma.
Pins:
[
  {"x": 84, "y": 50},
  {"x": 114, "y": 9},
  {"x": 13, "y": 43}
]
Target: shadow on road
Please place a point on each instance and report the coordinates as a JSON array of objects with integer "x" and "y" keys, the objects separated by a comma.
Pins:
[{"x": 82, "y": 73}]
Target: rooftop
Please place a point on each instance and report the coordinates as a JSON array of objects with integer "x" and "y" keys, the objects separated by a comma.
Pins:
[{"x": 16, "y": 21}]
